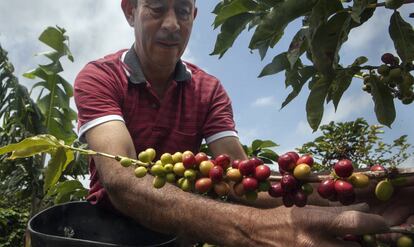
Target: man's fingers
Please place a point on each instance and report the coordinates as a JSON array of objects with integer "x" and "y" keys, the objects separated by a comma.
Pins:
[{"x": 357, "y": 223}]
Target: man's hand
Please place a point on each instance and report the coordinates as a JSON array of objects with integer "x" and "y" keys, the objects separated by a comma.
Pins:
[{"x": 313, "y": 226}]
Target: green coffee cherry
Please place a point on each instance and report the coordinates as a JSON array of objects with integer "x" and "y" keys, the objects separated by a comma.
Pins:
[
  {"x": 159, "y": 182},
  {"x": 140, "y": 172},
  {"x": 170, "y": 177},
  {"x": 384, "y": 190},
  {"x": 158, "y": 170},
  {"x": 383, "y": 70},
  {"x": 125, "y": 162}
]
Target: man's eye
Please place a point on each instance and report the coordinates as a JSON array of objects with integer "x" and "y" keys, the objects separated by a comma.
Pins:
[
  {"x": 184, "y": 13},
  {"x": 157, "y": 10}
]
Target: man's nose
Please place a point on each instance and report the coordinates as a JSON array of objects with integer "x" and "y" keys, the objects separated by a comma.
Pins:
[{"x": 170, "y": 22}]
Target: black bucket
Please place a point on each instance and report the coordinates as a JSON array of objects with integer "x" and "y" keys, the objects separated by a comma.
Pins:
[{"x": 80, "y": 224}]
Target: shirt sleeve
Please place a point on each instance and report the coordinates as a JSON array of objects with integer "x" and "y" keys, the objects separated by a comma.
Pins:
[
  {"x": 219, "y": 122},
  {"x": 98, "y": 97}
]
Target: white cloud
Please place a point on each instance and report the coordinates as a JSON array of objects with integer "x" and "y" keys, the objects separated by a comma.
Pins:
[
  {"x": 265, "y": 101},
  {"x": 348, "y": 107}
]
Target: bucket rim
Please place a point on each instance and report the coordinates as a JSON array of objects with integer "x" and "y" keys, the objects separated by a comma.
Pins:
[{"x": 31, "y": 231}]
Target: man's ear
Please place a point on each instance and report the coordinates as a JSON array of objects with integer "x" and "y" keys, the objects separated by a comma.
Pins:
[
  {"x": 195, "y": 13},
  {"x": 129, "y": 10}
]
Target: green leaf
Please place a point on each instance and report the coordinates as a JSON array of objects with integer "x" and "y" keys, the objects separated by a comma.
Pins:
[
  {"x": 327, "y": 41},
  {"x": 64, "y": 190},
  {"x": 340, "y": 84},
  {"x": 234, "y": 8},
  {"x": 256, "y": 145},
  {"x": 305, "y": 73},
  {"x": 57, "y": 164},
  {"x": 229, "y": 32},
  {"x": 357, "y": 9},
  {"x": 402, "y": 34},
  {"x": 274, "y": 23},
  {"x": 267, "y": 144},
  {"x": 316, "y": 99},
  {"x": 31, "y": 146},
  {"x": 297, "y": 46},
  {"x": 384, "y": 101},
  {"x": 268, "y": 154},
  {"x": 278, "y": 64},
  {"x": 54, "y": 38}
]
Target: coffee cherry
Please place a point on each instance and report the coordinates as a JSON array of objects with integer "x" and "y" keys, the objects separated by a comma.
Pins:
[
  {"x": 151, "y": 154},
  {"x": 300, "y": 198},
  {"x": 251, "y": 196},
  {"x": 216, "y": 173},
  {"x": 264, "y": 185},
  {"x": 158, "y": 170},
  {"x": 189, "y": 160},
  {"x": 305, "y": 159},
  {"x": 353, "y": 238},
  {"x": 383, "y": 70},
  {"x": 177, "y": 157},
  {"x": 239, "y": 189},
  {"x": 377, "y": 167},
  {"x": 179, "y": 169},
  {"x": 170, "y": 177},
  {"x": 294, "y": 155},
  {"x": 289, "y": 183},
  {"x": 343, "y": 168},
  {"x": 326, "y": 188},
  {"x": 205, "y": 167},
  {"x": 369, "y": 240},
  {"x": 168, "y": 168},
  {"x": 246, "y": 167},
  {"x": 388, "y": 58},
  {"x": 288, "y": 200},
  {"x": 235, "y": 164},
  {"x": 405, "y": 241},
  {"x": 221, "y": 188},
  {"x": 234, "y": 175},
  {"x": 125, "y": 162},
  {"x": 186, "y": 185},
  {"x": 190, "y": 174},
  {"x": 223, "y": 160},
  {"x": 200, "y": 157},
  {"x": 256, "y": 161},
  {"x": 262, "y": 172},
  {"x": 384, "y": 190},
  {"x": 343, "y": 188},
  {"x": 158, "y": 182},
  {"x": 276, "y": 190},
  {"x": 395, "y": 74},
  {"x": 140, "y": 172},
  {"x": 359, "y": 180},
  {"x": 286, "y": 162},
  {"x": 144, "y": 157},
  {"x": 307, "y": 189},
  {"x": 393, "y": 4},
  {"x": 302, "y": 171},
  {"x": 166, "y": 158},
  {"x": 203, "y": 185},
  {"x": 250, "y": 184}
]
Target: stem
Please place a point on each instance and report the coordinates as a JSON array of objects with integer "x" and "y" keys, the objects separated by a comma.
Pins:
[
  {"x": 92, "y": 152},
  {"x": 314, "y": 178}
]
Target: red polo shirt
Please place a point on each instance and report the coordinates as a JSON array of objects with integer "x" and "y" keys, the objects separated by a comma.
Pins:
[{"x": 195, "y": 106}]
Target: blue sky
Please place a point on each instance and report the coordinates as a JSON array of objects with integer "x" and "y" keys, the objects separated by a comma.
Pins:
[{"x": 97, "y": 28}]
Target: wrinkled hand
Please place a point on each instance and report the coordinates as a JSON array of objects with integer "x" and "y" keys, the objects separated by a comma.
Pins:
[
  {"x": 314, "y": 226},
  {"x": 398, "y": 208}
]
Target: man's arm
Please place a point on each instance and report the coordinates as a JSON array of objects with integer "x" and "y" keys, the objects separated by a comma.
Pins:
[{"x": 171, "y": 210}]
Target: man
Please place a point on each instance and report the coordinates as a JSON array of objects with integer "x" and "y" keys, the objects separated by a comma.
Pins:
[{"x": 147, "y": 97}]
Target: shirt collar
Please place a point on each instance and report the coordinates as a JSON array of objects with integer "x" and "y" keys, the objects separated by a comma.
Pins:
[{"x": 136, "y": 76}]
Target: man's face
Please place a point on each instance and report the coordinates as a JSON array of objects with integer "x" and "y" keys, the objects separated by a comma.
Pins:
[{"x": 162, "y": 29}]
